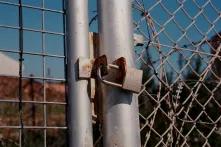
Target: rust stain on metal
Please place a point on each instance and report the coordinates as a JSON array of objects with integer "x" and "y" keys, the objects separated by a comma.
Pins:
[
  {"x": 100, "y": 62},
  {"x": 87, "y": 68},
  {"x": 121, "y": 62}
]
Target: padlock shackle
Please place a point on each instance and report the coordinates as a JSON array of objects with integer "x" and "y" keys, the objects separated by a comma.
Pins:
[
  {"x": 113, "y": 66},
  {"x": 100, "y": 78}
]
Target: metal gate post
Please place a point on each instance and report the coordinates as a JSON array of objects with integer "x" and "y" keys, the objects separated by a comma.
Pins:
[
  {"x": 79, "y": 107},
  {"x": 120, "y": 108}
]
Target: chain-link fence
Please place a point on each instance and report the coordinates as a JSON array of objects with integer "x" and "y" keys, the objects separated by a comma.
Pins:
[
  {"x": 32, "y": 73},
  {"x": 180, "y": 102},
  {"x": 178, "y": 50}
]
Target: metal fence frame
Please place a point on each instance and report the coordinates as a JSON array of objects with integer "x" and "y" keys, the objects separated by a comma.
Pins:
[
  {"x": 120, "y": 107},
  {"x": 20, "y": 101},
  {"x": 79, "y": 103}
]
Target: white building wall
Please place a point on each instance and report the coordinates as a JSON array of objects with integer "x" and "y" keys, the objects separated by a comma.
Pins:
[{"x": 8, "y": 66}]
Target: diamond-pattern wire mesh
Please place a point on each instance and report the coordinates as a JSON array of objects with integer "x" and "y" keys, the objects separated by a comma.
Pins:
[
  {"x": 180, "y": 103},
  {"x": 32, "y": 73}
]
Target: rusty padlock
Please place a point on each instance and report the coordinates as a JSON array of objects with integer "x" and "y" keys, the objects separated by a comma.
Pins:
[{"x": 129, "y": 78}]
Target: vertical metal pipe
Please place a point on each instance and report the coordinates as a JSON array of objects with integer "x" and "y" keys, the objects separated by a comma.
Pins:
[
  {"x": 120, "y": 108},
  {"x": 44, "y": 74},
  {"x": 79, "y": 107},
  {"x": 21, "y": 58}
]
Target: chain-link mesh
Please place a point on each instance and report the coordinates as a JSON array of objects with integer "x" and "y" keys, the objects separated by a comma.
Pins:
[{"x": 180, "y": 102}]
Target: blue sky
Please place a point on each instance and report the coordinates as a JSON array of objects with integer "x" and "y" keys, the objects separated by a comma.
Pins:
[{"x": 53, "y": 22}]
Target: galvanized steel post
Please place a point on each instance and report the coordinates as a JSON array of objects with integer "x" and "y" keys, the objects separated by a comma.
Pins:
[
  {"x": 79, "y": 107},
  {"x": 120, "y": 108}
]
